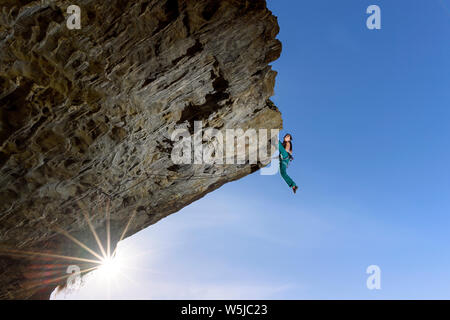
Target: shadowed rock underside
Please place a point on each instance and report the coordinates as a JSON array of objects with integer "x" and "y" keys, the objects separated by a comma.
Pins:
[{"x": 86, "y": 117}]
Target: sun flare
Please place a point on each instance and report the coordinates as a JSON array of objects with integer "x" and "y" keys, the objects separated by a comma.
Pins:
[{"x": 110, "y": 267}]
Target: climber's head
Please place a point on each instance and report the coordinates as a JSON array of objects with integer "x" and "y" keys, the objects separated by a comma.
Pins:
[{"x": 287, "y": 137}]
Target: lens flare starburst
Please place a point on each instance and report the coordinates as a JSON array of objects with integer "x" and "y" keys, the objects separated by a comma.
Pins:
[{"x": 109, "y": 265}]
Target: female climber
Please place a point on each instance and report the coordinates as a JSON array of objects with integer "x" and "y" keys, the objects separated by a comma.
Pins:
[{"x": 285, "y": 149}]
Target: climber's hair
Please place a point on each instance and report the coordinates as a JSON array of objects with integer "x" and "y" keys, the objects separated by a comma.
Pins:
[{"x": 284, "y": 142}]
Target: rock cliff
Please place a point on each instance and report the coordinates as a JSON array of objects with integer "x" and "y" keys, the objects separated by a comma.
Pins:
[{"x": 86, "y": 117}]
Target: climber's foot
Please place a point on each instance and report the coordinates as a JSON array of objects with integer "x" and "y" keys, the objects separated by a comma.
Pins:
[{"x": 294, "y": 188}]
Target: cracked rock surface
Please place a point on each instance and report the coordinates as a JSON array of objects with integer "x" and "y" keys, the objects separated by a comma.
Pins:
[{"x": 86, "y": 117}]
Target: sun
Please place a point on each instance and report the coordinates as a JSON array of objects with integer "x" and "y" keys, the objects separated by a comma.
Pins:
[{"x": 110, "y": 267}]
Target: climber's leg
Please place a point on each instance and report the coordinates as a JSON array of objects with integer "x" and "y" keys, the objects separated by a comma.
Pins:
[{"x": 283, "y": 166}]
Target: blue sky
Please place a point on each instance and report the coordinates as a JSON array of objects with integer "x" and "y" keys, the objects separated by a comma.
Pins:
[{"x": 369, "y": 112}]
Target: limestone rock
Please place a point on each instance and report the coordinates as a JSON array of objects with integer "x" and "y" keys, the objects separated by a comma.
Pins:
[{"x": 86, "y": 117}]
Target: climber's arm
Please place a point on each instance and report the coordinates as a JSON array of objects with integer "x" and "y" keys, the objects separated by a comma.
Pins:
[{"x": 288, "y": 148}]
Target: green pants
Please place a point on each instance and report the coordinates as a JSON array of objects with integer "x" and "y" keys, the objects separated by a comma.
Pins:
[{"x": 284, "y": 161}]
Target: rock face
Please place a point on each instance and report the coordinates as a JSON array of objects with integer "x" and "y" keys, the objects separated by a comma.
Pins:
[{"x": 86, "y": 118}]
